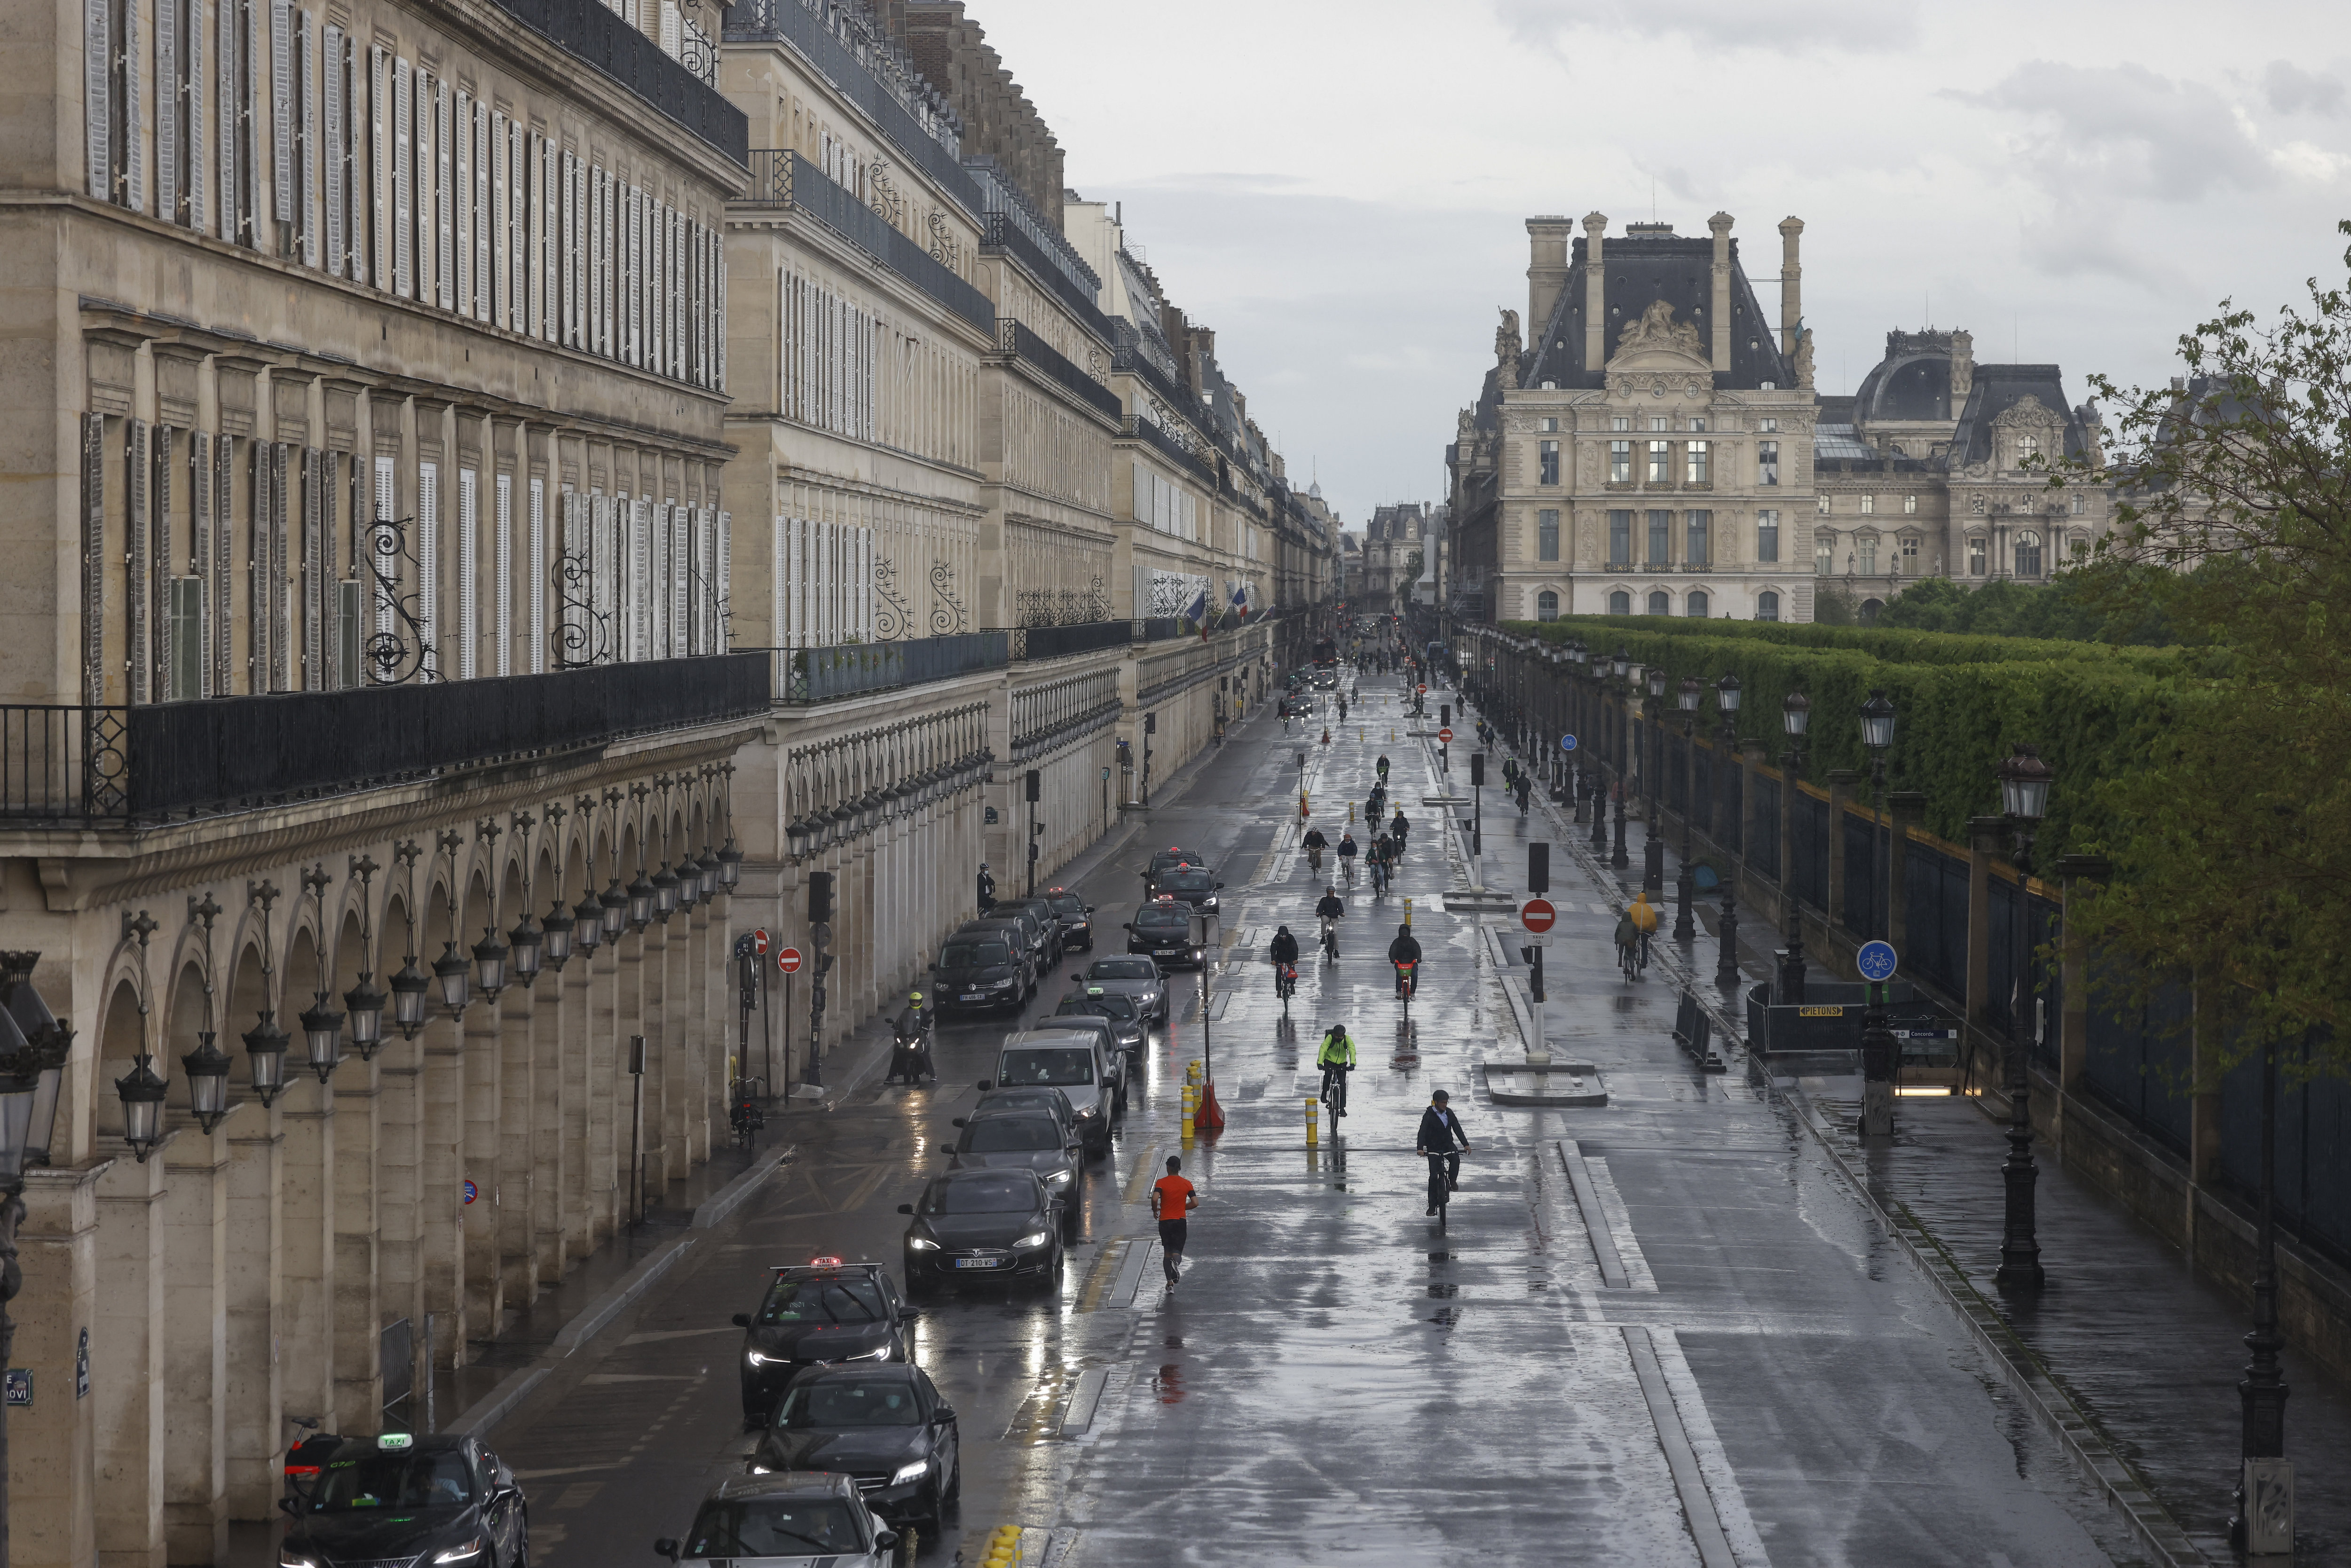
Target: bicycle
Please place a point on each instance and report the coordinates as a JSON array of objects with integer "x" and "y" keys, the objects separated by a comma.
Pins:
[
  {"x": 1334, "y": 1089},
  {"x": 1440, "y": 1183},
  {"x": 743, "y": 1112},
  {"x": 1330, "y": 939},
  {"x": 1347, "y": 869},
  {"x": 1628, "y": 959},
  {"x": 1285, "y": 984},
  {"x": 1407, "y": 981},
  {"x": 1314, "y": 859}
]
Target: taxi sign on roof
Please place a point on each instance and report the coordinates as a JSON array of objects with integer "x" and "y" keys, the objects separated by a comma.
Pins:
[
  {"x": 824, "y": 1262},
  {"x": 396, "y": 1441},
  {"x": 1093, "y": 990}
]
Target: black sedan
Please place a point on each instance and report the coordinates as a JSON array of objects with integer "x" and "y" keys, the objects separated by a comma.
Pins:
[
  {"x": 1191, "y": 884},
  {"x": 885, "y": 1426},
  {"x": 817, "y": 1314},
  {"x": 1021, "y": 1141},
  {"x": 983, "y": 1225},
  {"x": 441, "y": 1498},
  {"x": 1077, "y": 917},
  {"x": 1163, "y": 928},
  {"x": 1127, "y": 1024},
  {"x": 979, "y": 971}
]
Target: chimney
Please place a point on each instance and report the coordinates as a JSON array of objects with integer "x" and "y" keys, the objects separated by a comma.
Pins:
[
  {"x": 1595, "y": 295},
  {"x": 1721, "y": 227},
  {"x": 1791, "y": 286},
  {"x": 1547, "y": 239},
  {"x": 1963, "y": 370}
]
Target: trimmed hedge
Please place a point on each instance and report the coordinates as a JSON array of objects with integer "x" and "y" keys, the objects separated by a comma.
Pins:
[{"x": 2094, "y": 710}]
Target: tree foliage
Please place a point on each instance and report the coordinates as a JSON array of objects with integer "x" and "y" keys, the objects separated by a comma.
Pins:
[{"x": 2071, "y": 609}]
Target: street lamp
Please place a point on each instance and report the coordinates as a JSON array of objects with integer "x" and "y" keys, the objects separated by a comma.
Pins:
[
  {"x": 364, "y": 1003},
  {"x": 1693, "y": 691},
  {"x": 449, "y": 970},
  {"x": 2024, "y": 781},
  {"x": 322, "y": 1026},
  {"x": 265, "y": 1042},
  {"x": 141, "y": 1090},
  {"x": 409, "y": 985},
  {"x": 1796, "y": 717},
  {"x": 730, "y": 858},
  {"x": 1726, "y": 968},
  {"x": 207, "y": 1067},
  {"x": 1652, "y": 761}
]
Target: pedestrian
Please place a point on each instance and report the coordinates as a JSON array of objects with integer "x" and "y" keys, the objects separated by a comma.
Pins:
[
  {"x": 1175, "y": 1198},
  {"x": 987, "y": 889},
  {"x": 1441, "y": 1140}
]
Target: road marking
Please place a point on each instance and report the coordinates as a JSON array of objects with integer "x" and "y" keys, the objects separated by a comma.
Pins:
[
  {"x": 1083, "y": 1401},
  {"x": 654, "y": 1336},
  {"x": 1620, "y": 1225},
  {"x": 1138, "y": 1180},
  {"x": 1131, "y": 1270},
  {"x": 1595, "y": 1223},
  {"x": 1697, "y": 1505},
  {"x": 579, "y": 1494},
  {"x": 1098, "y": 1278}
]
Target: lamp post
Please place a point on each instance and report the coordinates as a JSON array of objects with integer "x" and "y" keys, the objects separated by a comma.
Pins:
[
  {"x": 409, "y": 984},
  {"x": 141, "y": 1090},
  {"x": 364, "y": 1003},
  {"x": 265, "y": 1042},
  {"x": 32, "y": 1067},
  {"x": 641, "y": 891},
  {"x": 1652, "y": 762},
  {"x": 1617, "y": 861},
  {"x": 1877, "y": 716},
  {"x": 730, "y": 857},
  {"x": 1878, "y": 1047},
  {"x": 1726, "y": 968},
  {"x": 1796, "y": 717},
  {"x": 1685, "y": 884},
  {"x": 207, "y": 1067},
  {"x": 2264, "y": 1493},
  {"x": 450, "y": 971},
  {"x": 528, "y": 940},
  {"x": 560, "y": 925},
  {"x": 613, "y": 902},
  {"x": 2025, "y": 795},
  {"x": 322, "y": 1026},
  {"x": 588, "y": 915}
]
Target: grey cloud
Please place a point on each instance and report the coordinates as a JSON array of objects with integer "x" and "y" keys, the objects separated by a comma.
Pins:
[
  {"x": 2124, "y": 131},
  {"x": 1791, "y": 27},
  {"x": 2293, "y": 90}
]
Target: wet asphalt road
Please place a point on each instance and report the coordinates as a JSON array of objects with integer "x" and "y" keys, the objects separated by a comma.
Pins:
[{"x": 1725, "y": 1363}]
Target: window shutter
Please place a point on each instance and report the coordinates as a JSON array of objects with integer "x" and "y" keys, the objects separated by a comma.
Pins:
[
  {"x": 603, "y": 556},
  {"x": 537, "y": 631},
  {"x": 257, "y": 619},
  {"x": 636, "y": 286},
  {"x": 569, "y": 293},
  {"x": 500, "y": 282},
  {"x": 680, "y": 570},
  {"x": 379, "y": 162},
  {"x": 781, "y": 579},
  {"x": 462, "y": 284},
  {"x": 404, "y": 190},
  {"x": 191, "y": 119},
  {"x": 306, "y": 59},
  {"x": 224, "y": 455},
  {"x": 248, "y": 142},
  {"x": 481, "y": 199},
  {"x": 428, "y": 567},
  {"x": 678, "y": 345},
  {"x": 226, "y": 111},
  {"x": 469, "y": 546},
  {"x": 281, "y": 633},
  {"x": 200, "y": 518},
  {"x": 517, "y": 230},
  {"x": 719, "y": 380},
  {"x": 385, "y": 501},
  {"x": 444, "y": 281},
  {"x": 318, "y": 568},
  {"x": 281, "y": 106},
  {"x": 135, "y": 476},
  {"x": 167, "y": 110},
  {"x": 97, "y": 88},
  {"x": 134, "y": 110},
  {"x": 640, "y": 580},
  {"x": 549, "y": 213},
  {"x": 723, "y": 577},
  {"x": 503, "y": 562},
  {"x": 337, "y": 150},
  {"x": 532, "y": 288}
]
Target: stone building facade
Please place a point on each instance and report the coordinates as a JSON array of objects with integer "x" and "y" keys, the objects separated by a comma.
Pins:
[{"x": 1658, "y": 447}]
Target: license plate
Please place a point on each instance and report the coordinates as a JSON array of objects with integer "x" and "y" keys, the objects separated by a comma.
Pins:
[
  {"x": 975, "y": 996},
  {"x": 977, "y": 1262}
]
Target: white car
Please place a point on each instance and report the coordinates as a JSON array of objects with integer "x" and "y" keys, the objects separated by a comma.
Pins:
[{"x": 803, "y": 1517}]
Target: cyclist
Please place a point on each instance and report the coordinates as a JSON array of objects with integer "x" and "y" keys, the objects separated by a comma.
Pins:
[
  {"x": 1315, "y": 845},
  {"x": 1644, "y": 916},
  {"x": 1397, "y": 830},
  {"x": 1375, "y": 804},
  {"x": 1526, "y": 791},
  {"x": 1336, "y": 1059},
  {"x": 1347, "y": 855},
  {"x": 1377, "y": 858},
  {"x": 1442, "y": 1143},
  {"x": 1383, "y": 766},
  {"x": 1628, "y": 944},
  {"x": 1329, "y": 911},
  {"x": 1405, "y": 954},
  {"x": 1284, "y": 953}
]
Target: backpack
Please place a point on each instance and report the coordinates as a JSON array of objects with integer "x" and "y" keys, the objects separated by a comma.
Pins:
[{"x": 1626, "y": 933}]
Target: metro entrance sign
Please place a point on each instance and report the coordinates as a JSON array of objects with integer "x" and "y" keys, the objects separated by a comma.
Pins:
[
  {"x": 1445, "y": 736},
  {"x": 1537, "y": 914},
  {"x": 788, "y": 959}
]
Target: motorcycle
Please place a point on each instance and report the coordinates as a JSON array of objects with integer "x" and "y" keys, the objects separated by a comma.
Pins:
[{"x": 910, "y": 1055}]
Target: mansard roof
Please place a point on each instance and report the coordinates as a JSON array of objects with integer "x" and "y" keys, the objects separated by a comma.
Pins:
[
  {"x": 1912, "y": 383},
  {"x": 1642, "y": 268},
  {"x": 2000, "y": 388}
]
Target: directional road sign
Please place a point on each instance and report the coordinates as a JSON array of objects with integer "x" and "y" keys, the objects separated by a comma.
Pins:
[
  {"x": 788, "y": 959},
  {"x": 1875, "y": 960},
  {"x": 1537, "y": 914}
]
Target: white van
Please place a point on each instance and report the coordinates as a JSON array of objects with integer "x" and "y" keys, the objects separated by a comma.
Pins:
[{"x": 1072, "y": 1061}]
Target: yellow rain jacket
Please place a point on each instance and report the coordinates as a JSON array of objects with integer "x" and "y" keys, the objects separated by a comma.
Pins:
[{"x": 1645, "y": 918}]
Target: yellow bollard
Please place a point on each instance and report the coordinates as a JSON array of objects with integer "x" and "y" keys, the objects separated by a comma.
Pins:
[
  {"x": 1314, "y": 1123},
  {"x": 1189, "y": 1104},
  {"x": 1408, "y": 911}
]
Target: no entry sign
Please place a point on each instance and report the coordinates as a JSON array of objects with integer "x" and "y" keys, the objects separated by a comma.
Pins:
[
  {"x": 1536, "y": 915},
  {"x": 788, "y": 959},
  {"x": 1446, "y": 735},
  {"x": 1423, "y": 690},
  {"x": 759, "y": 943}
]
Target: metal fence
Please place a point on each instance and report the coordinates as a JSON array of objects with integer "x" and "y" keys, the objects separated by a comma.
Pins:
[
  {"x": 2314, "y": 1144},
  {"x": 2139, "y": 1060},
  {"x": 1866, "y": 856},
  {"x": 1057, "y": 367},
  {"x": 1086, "y": 637},
  {"x": 599, "y": 35},
  {"x": 852, "y": 669},
  {"x": 1935, "y": 918},
  {"x": 782, "y": 178},
  {"x": 1763, "y": 839},
  {"x": 1812, "y": 831}
]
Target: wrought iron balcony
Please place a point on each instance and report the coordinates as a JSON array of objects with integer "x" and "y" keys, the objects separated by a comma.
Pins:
[
  {"x": 154, "y": 763},
  {"x": 1014, "y": 338},
  {"x": 596, "y": 34},
  {"x": 782, "y": 178},
  {"x": 855, "y": 669}
]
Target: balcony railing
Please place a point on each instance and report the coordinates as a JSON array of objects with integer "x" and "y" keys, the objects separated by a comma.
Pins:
[
  {"x": 853, "y": 669},
  {"x": 1016, "y": 337},
  {"x": 159, "y": 762},
  {"x": 782, "y": 178},
  {"x": 1057, "y": 641},
  {"x": 1201, "y": 465},
  {"x": 1008, "y": 232},
  {"x": 597, "y": 34}
]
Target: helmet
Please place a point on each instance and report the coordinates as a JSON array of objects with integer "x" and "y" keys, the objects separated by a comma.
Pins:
[{"x": 913, "y": 996}]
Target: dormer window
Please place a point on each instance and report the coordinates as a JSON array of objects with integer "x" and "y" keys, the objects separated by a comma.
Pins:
[{"x": 2028, "y": 447}]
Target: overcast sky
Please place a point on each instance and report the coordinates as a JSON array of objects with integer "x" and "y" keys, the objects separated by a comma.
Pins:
[{"x": 1339, "y": 191}]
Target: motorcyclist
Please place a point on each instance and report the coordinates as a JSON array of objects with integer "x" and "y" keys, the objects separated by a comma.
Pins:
[
  {"x": 912, "y": 1057},
  {"x": 1314, "y": 844},
  {"x": 1404, "y": 951},
  {"x": 1336, "y": 1056}
]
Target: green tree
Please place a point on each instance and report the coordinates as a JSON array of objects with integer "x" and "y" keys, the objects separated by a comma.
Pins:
[
  {"x": 2233, "y": 856},
  {"x": 1834, "y": 605}
]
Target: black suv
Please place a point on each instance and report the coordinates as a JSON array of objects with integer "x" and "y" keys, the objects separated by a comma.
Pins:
[
  {"x": 405, "y": 1497},
  {"x": 1041, "y": 911},
  {"x": 817, "y": 1315},
  {"x": 1077, "y": 917},
  {"x": 980, "y": 969},
  {"x": 1163, "y": 928}
]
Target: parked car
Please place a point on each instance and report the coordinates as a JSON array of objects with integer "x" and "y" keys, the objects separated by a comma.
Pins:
[
  {"x": 1127, "y": 1024},
  {"x": 407, "y": 1497},
  {"x": 1023, "y": 1140},
  {"x": 814, "y": 1315},
  {"x": 1077, "y": 918},
  {"x": 1037, "y": 933},
  {"x": 812, "y": 1519},
  {"x": 980, "y": 970},
  {"x": 1136, "y": 977},
  {"x": 886, "y": 1427},
  {"x": 1078, "y": 1067},
  {"x": 1048, "y": 921},
  {"x": 1019, "y": 934},
  {"x": 982, "y": 1225},
  {"x": 1163, "y": 930}
]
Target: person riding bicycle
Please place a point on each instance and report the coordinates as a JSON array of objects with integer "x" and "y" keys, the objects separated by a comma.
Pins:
[
  {"x": 1403, "y": 952},
  {"x": 1628, "y": 941},
  {"x": 1526, "y": 789},
  {"x": 1644, "y": 916},
  {"x": 1329, "y": 911},
  {"x": 1347, "y": 849},
  {"x": 1315, "y": 845},
  {"x": 1383, "y": 766},
  {"x": 1336, "y": 1057},
  {"x": 1397, "y": 830},
  {"x": 1342, "y": 710},
  {"x": 1442, "y": 1143},
  {"x": 1284, "y": 947}
]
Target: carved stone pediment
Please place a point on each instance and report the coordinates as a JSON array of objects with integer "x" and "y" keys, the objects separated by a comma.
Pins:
[
  {"x": 1658, "y": 343},
  {"x": 2029, "y": 415}
]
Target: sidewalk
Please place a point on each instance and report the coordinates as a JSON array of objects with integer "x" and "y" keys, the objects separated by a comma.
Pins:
[{"x": 2146, "y": 1350}]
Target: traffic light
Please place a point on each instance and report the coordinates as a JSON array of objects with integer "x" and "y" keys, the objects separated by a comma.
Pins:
[
  {"x": 1538, "y": 868},
  {"x": 1032, "y": 782},
  {"x": 820, "y": 890},
  {"x": 1477, "y": 769}
]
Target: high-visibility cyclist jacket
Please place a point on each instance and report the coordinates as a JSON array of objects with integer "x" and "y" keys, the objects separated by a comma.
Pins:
[{"x": 1338, "y": 1051}]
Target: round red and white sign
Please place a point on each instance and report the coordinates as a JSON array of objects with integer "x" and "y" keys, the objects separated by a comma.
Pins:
[
  {"x": 1446, "y": 735},
  {"x": 759, "y": 942},
  {"x": 788, "y": 959},
  {"x": 1537, "y": 914}
]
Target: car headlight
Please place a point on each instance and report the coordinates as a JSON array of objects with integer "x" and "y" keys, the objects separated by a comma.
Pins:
[
  {"x": 1003, "y": 985},
  {"x": 1056, "y": 1178},
  {"x": 472, "y": 1549},
  {"x": 1035, "y": 1238},
  {"x": 294, "y": 1560},
  {"x": 881, "y": 1355},
  {"x": 912, "y": 1472},
  {"x": 755, "y": 1358},
  {"x": 760, "y": 1469},
  {"x": 1087, "y": 1112},
  {"x": 922, "y": 1244}
]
